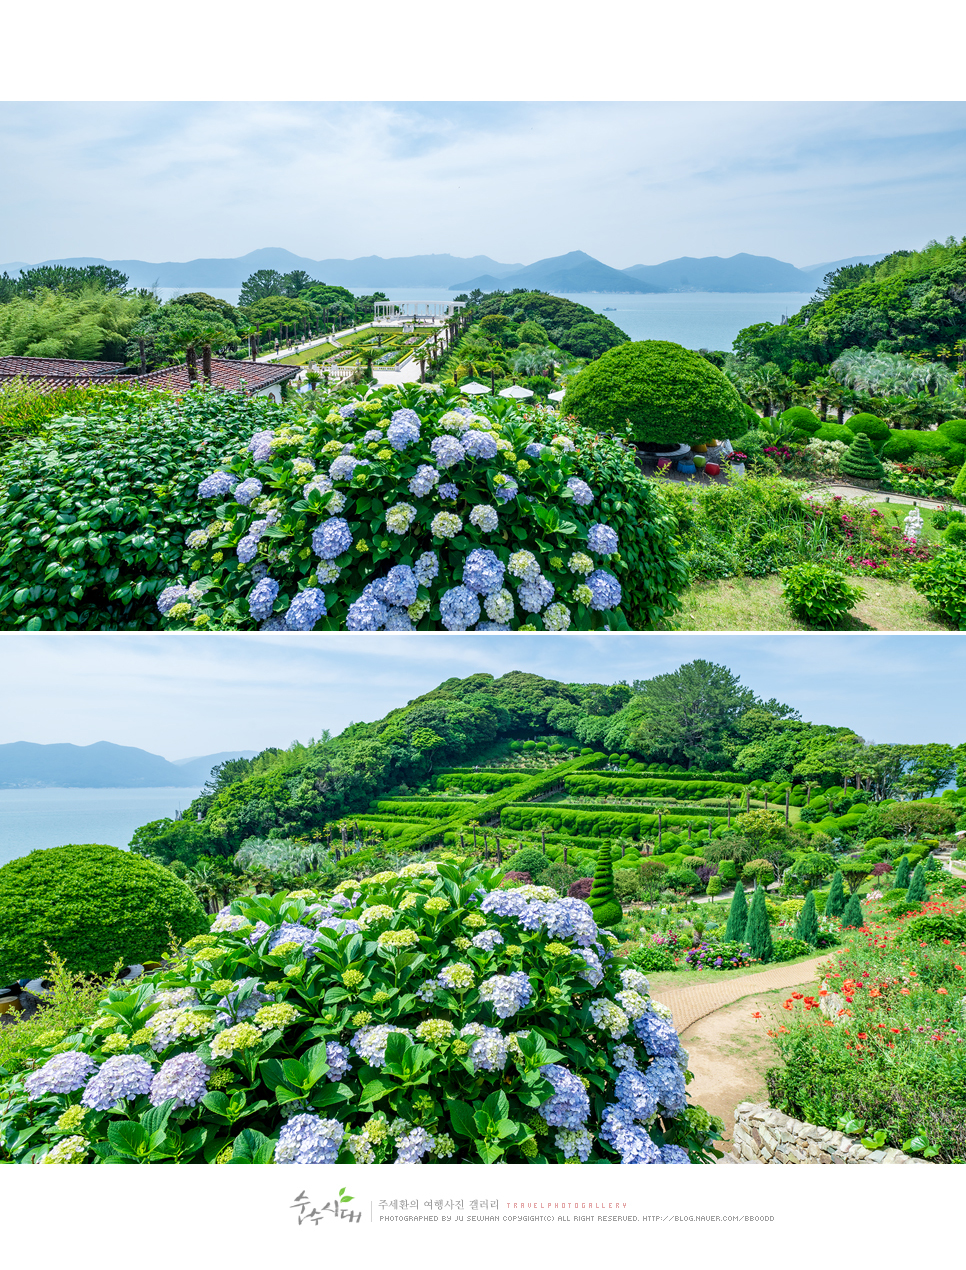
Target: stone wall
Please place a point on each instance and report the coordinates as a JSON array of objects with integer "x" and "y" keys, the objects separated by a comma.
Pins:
[{"x": 765, "y": 1136}]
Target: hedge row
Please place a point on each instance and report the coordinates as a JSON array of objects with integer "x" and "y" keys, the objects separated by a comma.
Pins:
[
  {"x": 655, "y": 786},
  {"x": 695, "y": 813},
  {"x": 661, "y": 771},
  {"x": 480, "y": 782},
  {"x": 427, "y": 809},
  {"x": 593, "y": 823}
]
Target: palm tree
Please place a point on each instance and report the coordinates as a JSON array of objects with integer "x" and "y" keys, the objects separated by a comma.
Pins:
[{"x": 312, "y": 378}]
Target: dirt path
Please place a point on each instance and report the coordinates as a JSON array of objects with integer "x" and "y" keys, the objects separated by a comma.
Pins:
[{"x": 688, "y": 1005}]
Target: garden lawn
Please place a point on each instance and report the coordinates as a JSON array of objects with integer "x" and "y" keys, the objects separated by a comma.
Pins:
[
  {"x": 756, "y": 604},
  {"x": 664, "y": 980},
  {"x": 308, "y": 355}
]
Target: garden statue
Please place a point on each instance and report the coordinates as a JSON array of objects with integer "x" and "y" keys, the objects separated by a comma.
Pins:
[{"x": 913, "y": 525}]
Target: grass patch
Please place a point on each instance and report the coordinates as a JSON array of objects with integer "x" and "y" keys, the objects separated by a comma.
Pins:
[
  {"x": 666, "y": 979},
  {"x": 756, "y": 604},
  {"x": 307, "y": 355}
]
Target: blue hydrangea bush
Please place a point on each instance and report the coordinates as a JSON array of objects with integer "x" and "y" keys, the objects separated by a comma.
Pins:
[
  {"x": 402, "y": 510},
  {"x": 418, "y": 1016}
]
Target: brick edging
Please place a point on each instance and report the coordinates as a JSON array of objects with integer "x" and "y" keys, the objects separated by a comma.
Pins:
[{"x": 765, "y": 1136}]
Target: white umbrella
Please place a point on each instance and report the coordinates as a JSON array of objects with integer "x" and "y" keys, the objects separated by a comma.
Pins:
[
  {"x": 556, "y": 396},
  {"x": 516, "y": 391},
  {"x": 474, "y": 389}
]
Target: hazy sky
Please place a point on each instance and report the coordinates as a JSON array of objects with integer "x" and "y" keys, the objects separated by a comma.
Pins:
[
  {"x": 629, "y": 183},
  {"x": 181, "y": 696}
]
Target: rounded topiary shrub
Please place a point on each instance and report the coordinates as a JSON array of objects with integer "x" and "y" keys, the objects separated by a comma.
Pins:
[
  {"x": 93, "y": 905},
  {"x": 655, "y": 392},
  {"x": 801, "y": 419},
  {"x": 903, "y": 443},
  {"x": 527, "y": 860},
  {"x": 835, "y": 432},
  {"x": 418, "y": 1016},
  {"x": 875, "y": 429}
]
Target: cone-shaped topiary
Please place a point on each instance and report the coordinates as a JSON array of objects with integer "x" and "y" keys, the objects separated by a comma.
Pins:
[
  {"x": 94, "y": 905},
  {"x": 737, "y": 916},
  {"x": 959, "y": 485},
  {"x": 757, "y": 930},
  {"x": 807, "y": 927},
  {"x": 852, "y": 917},
  {"x": 917, "y": 887},
  {"x": 931, "y": 864},
  {"x": 835, "y": 904},
  {"x": 602, "y": 900},
  {"x": 902, "y": 873},
  {"x": 714, "y": 886},
  {"x": 860, "y": 462}
]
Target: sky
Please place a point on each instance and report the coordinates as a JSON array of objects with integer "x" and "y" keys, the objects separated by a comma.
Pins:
[
  {"x": 185, "y": 695},
  {"x": 627, "y": 182}
]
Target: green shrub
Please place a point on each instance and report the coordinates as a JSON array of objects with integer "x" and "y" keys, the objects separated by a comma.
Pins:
[
  {"x": 955, "y": 534},
  {"x": 807, "y": 927},
  {"x": 655, "y": 391},
  {"x": 859, "y": 460},
  {"x": 801, "y": 419},
  {"x": 935, "y": 928},
  {"x": 650, "y": 958},
  {"x": 757, "y": 928},
  {"x": 737, "y": 917},
  {"x": 627, "y": 885},
  {"x": 959, "y": 485},
  {"x": 92, "y": 905},
  {"x": 529, "y": 860},
  {"x": 835, "y": 432},
  {"x": 875, "y": 429},
  {"x": 715, "y": 885},
  {"x": 602, "y": 899},
  {"x": 903, "y": 443},
  {"x": 558, "y": 875},
  {"x": 817, "y": 594},
  {"x": 835, "y": 904},
  {"x": 789, "y": 949},
  {"x": 727, "y": 871},
  {"x": 902, "y": 873},
  {"x": 916, "y": 893},
  {"x": 852, "y": 917}
]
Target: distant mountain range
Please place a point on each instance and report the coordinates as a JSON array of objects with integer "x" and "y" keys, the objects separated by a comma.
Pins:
[
  {"x": 103, "y": 765},
  {"x": 571, "y": 273}
]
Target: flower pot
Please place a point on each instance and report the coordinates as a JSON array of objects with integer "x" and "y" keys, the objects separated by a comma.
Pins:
[
  {"x": 712, "y": 469},
  {"x": 738, "y": 469},
  {"x": 687, "y": 467}
]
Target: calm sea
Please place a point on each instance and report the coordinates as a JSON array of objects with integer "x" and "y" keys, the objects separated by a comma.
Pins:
[
  {"x": 34, "y": 818},
  {"x": 696, "y": 319}
]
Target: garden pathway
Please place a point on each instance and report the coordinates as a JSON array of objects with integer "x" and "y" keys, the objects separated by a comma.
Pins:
[{"x": 688, "y": 1005}]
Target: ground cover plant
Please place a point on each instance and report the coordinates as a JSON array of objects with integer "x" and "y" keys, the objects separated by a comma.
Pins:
[
  {"x": 402, "y": 510},
  {"x": 417, "y": 1016}
]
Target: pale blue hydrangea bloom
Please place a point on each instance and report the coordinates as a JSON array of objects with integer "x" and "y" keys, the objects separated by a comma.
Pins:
[
  {"x": 635, "y": 981},
  {"x": 534, "y": 450},
  {"x": 575, "y": 1142},
  {"x": 61, "y": 1074},
  {"x": 232, "y": 1010},
  {"x": 499, "y": 606},
  {"x": 535, "y": 595},
  {"x": 667, "y": 1080},
  {"x": 170, "y": 596},
  {"x": 659, "y": 1037},
  {"x": 184, "y": 1078},
  {"x": 605, "y": 590},
  {"x": 487, "y": 940},
  {"x": 216, "y": 484},
  {"x": 366, "y": 614},
  {"x": 624, "y": 1056},
  {"x": 569, "y": 1106},
  {"x": 449, "y": 490},
  {"x": 570, "y": 918},
  {"x": 343, "y": 468},
  {"x": 507, "y": 993},
  {"x": 424, "y": 481},
  {"x": 595, "y": 971},
  {"x": 403, "y": 429},
  {"x": 602, "y": 540},
  {"x": 447, "y": 451},
  {"x": 671, "y": 1154},
  {"x": 308, "y": 1139},
  {"x": 609, "y": 1017},
  {"x": 491, "y": 628},
  {"x": 261, "y": 598},
  {"x": 488, "y": 1047},
  {"x": 305, "y": 610},
  {"x": 398, "y": 619},
  {"x": 124, "y": 1076},
  {"x": 524, "y": 565},
  {"x": 426, "y": 568},
  {"x": 338, "y": 1058},
  {"x": 373, "y": 435},
  {"x": 557, "y": 618},
  {"x": 504, "y": 903},
  {"x": 293, "y": 932},
  {"x": 320, "y": 483},
  {"x": 483, "y": 571},
  {"x": 370, "y": 1042},
  {"x": 332, "y": 538},
  {"x": 247, "y": 490},
  {"x": 401, "y": 585},
  {"x": 411, "y": 1148},
  {"x": 635, "y": 1144},
  {"x": 479, "y": 445},
  {"x": 636, "y": 1093},
  {"x": 506, "y": 489},
  {"x": 459, "y": 608},
  {"x": 580, "y": 492},
  {"x": 261, "y": 445},
  {"x": 485, "y": 518},
  {"x": 347, "y": 412}
]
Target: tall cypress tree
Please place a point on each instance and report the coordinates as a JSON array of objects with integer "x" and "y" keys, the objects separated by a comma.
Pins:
[
  {"x": 852, "y": 917},
  {"x": 932, "y": 864},
  {"x": 835, "y": 904},
  {"x": 737, "y": 916},
  {"x": 917, "y": 887},
  {"x": 757, "y": 930},
  {"x": 603, "y": 901},
  {"x": 902, "y": 873},
  {"x": 807, "y": 927}
]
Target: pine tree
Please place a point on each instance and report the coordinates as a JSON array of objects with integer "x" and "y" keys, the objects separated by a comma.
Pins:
[
  {"x": 603, "y": 901},
  {"x": 852, "y": 917},
  {"x": 737, "y": 916},
  {"x": 835, "y": 904},
  {"x": 807, "y": 927},
  {"x": 917, "y": 887},
  {"x": 859, "y": 460},
  {"x": 757, "y": 931},
  {"x": 932, "y": 864},
  {"x": 902, "y": 873}
]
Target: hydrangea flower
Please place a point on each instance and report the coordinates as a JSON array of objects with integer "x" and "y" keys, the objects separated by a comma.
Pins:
[
  {"x": 435, "y": 1031},
  {"x": 580, "y": 562},
  {"x": 305, "y": 610},
  {"x": 61, "y": 1074},
  {"x": 483, "y": 571},
  {"x": 667, "y": 1080},
  {"x": 671, "y": 1154},
  {"x": 568, "y": 1107},
  {"x": 398, "y": 620},
  {"x": 523, "y": 565},
  {"x": 459, "y": 608},
  {"x": 445, "y": 525},
  {"x": 370, "y": 1042},
  {"x": 561, "y": 442},
  {"x": 401, "y": 585},
  {"x": 449, "y": 490},
  {"x": 507, "y": 993},
  {"x": 247, "y": 490},
  {"x": 488, "y": 1047},
  {"x": 633, "y": 1004},
  {"x": 455, "y": 420},
  {"x": 602, "y": 540},
  {"x": 504, "y": 903},
  {"x": 575, "y": 1142},
  {"x": 403, "y": 429},
  {"x": 491, "y": 628},
  {"x": 196, "y": 539},
  {"x": 485, "y": 518},
  {"x": 605, "y": 590},
  {"x": 293, "y": 933},
  {"x": 307, "y": 1139},
  {"x": 366, "y": 614},
  {"x": 487, "y": 940},
  {"x": 506, "y": 488},
  {"x": 184, "y": 1078},
  {"x": 424, "y": 481},
  {"x": 373, "y": 435},
  {"x": 169, "y": 998},
  {"x": 594, "y": 973},
  {"x": 277, "y": 1015},
  {"x": 347, "y": 412},
  {"x": 124, "y": 1076},
  {"x": 580, "y": 492},
  {"x": 215, "y": 485},
  {"x": 636, "y": 1093},
  {"x": 610, "y": 1018},
  {"x": 338, "y": 1058},
  {"x": 658, "y": 1035},
  {"x": 479, "y": 445},
  {"x": 426, "y": 568},
  {"x": 499, "y": 606},
  {"x": 557, "y": 618},
  {"x": 242, "y": 1036},
  {"x": 261, "y": 445},
  {"x": 321, "y": 484},
  {"x": 624, "y": 1056},
  {"x": 534, "y": 595},
  {"x": 332, "y": 538},
  {"x": 411, "y": 1148},
  {"x": 447, "y": 451},
  {"x": 570, "y": 918},
  {"x": 261, "y": 598},
  {"x": 534, "y": 450},
  {"x": 634, "y": 1143},
  {"x": 170, "y": 596},
  {"x": 457, "y": 977},
  {"x": 635, "y": 981}
]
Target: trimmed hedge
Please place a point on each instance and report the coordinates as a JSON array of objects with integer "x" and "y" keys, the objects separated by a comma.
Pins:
[
  {"x": 655, "y": 787},
  {"x": 92, "y": 904},
  {"x": 480, "y": 782}
]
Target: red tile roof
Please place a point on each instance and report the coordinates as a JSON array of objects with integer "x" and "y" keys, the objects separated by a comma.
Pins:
[
  {"x": 60, "y": 372},
  {"x": 61, "y": 367},
  {"x": 224, "y": 374}
]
